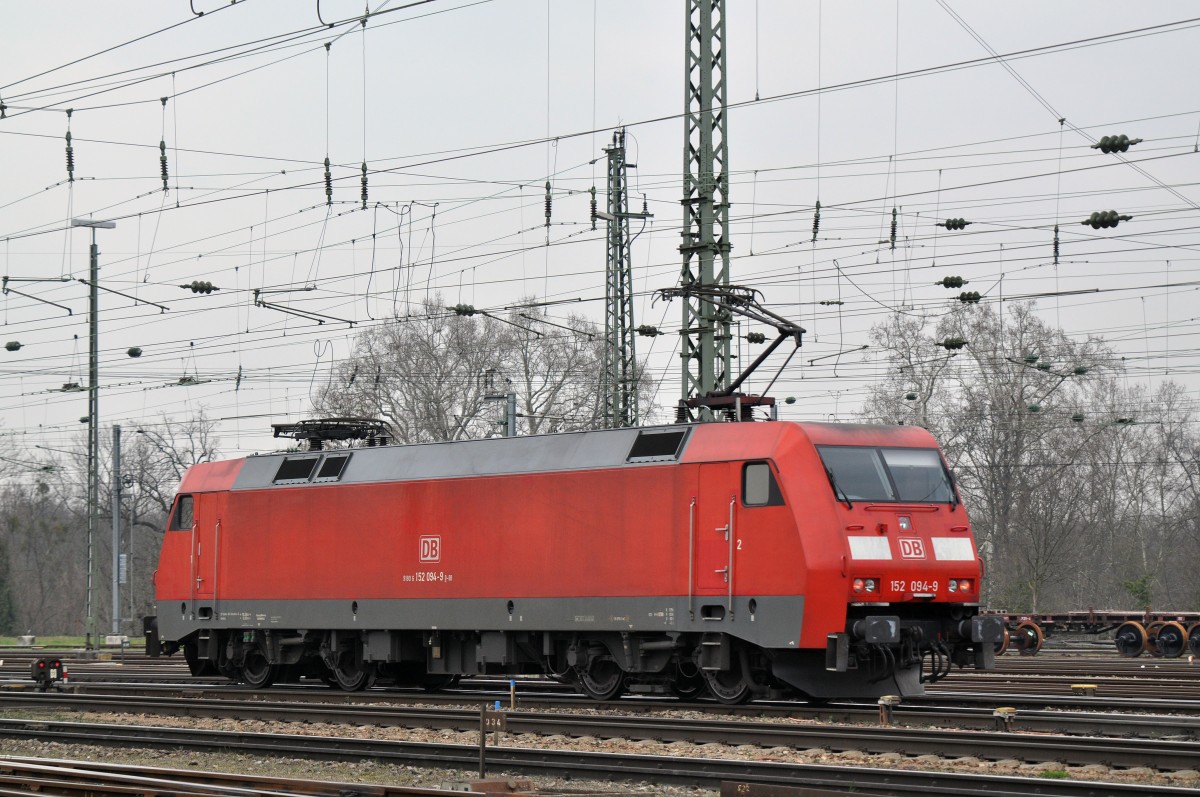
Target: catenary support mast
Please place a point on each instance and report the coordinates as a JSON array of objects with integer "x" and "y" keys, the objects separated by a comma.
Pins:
[
  {"x": 620, "y": 353},
  {"x": 705, "y": 248}
]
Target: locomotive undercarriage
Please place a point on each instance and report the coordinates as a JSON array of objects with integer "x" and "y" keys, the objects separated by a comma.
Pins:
[
  {"x": 898, "y": 652},
  {"x": 875, "y": 655}
]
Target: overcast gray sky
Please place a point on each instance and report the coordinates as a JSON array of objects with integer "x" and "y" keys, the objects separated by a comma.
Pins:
[{"x": 435, "y": 97}]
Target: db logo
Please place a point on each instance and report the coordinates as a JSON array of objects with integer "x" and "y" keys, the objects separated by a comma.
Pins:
[
  {"x": 431, "y": 549},
  {"x": 912, "y": 548}
]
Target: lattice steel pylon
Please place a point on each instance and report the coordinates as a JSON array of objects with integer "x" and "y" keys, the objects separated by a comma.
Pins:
[
  {"x": 705, "y": 247},
  {"x": 620, "y": 353}
]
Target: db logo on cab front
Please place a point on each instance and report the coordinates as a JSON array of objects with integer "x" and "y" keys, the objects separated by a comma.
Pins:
[
  {"x": 431, "y": 549},
  {"x": 911, "y": 548}
]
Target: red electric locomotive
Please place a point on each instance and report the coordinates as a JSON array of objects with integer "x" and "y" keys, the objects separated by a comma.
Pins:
[{"x": 738, "y": 559}]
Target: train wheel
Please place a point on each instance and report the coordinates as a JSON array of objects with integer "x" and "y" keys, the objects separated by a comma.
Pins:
[
  {"x": 257, "y": 672},
  {"x": 602, "y": 680},
  {"x": 1152, "y": 638},
  {"x": 1130, "y": 639},
  {"x": 436, "y": 683},
  {"x": 1172, "y": 640},
  {"x": 351, "y": 674},
  {"x": 1002, "y": 643},
  {"x": 728, "y": 686},
  {"x": 1194, "y": 639},
  {"x": 1028, "y": 638},
  {"x": 687, "y": 687}
]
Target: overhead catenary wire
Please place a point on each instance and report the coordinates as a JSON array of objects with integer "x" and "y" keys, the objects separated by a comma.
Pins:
[{"x": 764, "y": 228}]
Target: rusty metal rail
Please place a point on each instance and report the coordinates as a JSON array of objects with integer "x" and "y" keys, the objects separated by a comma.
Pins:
[
  {"x": 24, "y": 776},
  {"x": 1161, "y": 754},
  {"x": 607, "y": 766}
]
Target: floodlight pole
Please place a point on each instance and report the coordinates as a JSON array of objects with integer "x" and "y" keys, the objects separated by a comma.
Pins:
[
  {"x": 93, "y": 416},
  {"x": 116, "y": 529}
]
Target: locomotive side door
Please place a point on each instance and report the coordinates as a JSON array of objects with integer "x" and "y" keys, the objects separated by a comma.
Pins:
[
  {"x": 204, "y": 546},
  {"x": 714, "y": 534}
]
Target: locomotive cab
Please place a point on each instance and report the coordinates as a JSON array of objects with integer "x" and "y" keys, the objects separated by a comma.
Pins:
[{"x": 909, "y": 573}]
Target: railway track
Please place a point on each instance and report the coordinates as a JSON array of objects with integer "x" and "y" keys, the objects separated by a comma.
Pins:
[
  {"x": 21, "y": 776},
  {"x": 1028, "y": 695},
  {"x": 1090, "y": 723},
  {"x": 695, "y": 771},
  {"x": 1122, "y": 752},
  {"x": 135, "y": 665}
]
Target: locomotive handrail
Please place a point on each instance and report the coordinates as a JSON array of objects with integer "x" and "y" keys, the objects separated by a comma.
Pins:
[
  {"x": 216, "y": 554},
  {"x": 691, "y": 558},
  {"x": 729, "y": 602}
]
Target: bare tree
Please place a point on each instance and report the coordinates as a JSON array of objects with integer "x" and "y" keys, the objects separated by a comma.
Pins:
[
  {"x": 421, "y": 374},
  {"x": 1001, "y": 409},
  {"x": 432, "y": 375},
  {"x": 47, "y": 554},
  {"x": 43, "y": 526}
]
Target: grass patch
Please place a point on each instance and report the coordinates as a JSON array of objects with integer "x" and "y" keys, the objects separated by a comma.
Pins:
[
  {"x": 1053, "y": 774},
  {"x": 60, "y": 642},
  {"x": 48, "y": 641}
]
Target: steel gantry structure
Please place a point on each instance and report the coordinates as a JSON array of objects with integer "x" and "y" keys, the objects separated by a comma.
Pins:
[
  {"x": 620, "y": 353},
  {"x": 705, "y": 248}
]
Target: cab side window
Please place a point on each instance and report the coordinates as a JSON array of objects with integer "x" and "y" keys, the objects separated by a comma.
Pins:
[
  {"x": 759, "y": 487},
  {"x": 181, "y": 516}
]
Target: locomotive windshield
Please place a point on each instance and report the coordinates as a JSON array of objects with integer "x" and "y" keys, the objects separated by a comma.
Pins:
[{"x": 915, "y": 475}]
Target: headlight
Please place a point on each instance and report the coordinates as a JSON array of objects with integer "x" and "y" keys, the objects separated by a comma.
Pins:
[
  {"x": 964, "y": 584},
  {"x": 870, "y": 585},
  {"x": 858, "y": 585},
  {"x": 953, "y": 585}
]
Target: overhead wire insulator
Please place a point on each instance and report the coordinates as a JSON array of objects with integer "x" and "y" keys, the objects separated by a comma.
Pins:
[
  {"x": 969, "y": 297},
  {"x": 1110, "y": 144},
  {"x": 548, "y": 203},
  {"x": 364, "y": 185},
  {"x": 952, "y": 344},
  {"x": 1105, "y": 219},
  {"x": 464, "y": 309},
  {"x": 328, "y": 183},
  {"x": 756, "y": 337},
  {"x": 648, "y": 331},
  {"x": 829, "y": 302},
  {"x": 1055, "y": 244},
  {"x": 162, "y": 161},
  {"x": 893, "y": 235},
  {"x": 70, "y": 159},
  {"x": 955, "y": 224},
  {"x": 200, "y": 286},
  {"x": 816, "y": 221},
  {"x": 593, "y": 193},
  {"x": 952, "y": 282}
]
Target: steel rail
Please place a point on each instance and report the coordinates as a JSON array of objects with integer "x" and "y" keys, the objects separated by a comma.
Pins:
[
  {"x": 856, "y": 710},
  {"x": 58, "y": 776},
  {"x": 1070, "y": 750},
  {"x": 604, "y": 766},
  {"x": 1095, "y": 716}
]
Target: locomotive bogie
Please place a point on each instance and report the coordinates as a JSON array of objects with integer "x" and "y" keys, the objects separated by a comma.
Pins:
[{"x": 733, "y": 559}]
